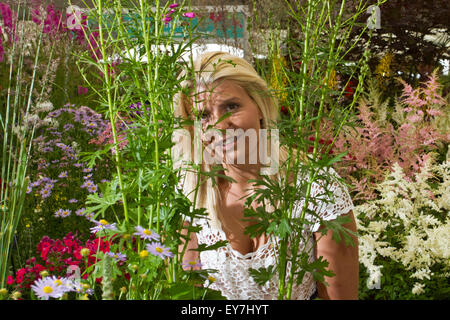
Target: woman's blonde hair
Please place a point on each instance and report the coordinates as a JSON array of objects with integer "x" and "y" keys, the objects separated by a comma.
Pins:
[{"x": 209, "y": 69}]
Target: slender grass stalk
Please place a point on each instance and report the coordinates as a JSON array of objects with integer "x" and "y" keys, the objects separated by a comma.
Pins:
[{"x": 17, "y": 141}]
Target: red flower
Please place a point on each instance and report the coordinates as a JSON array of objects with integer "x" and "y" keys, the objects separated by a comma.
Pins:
[
  {"x": 19, "y": 275},
  {"x": 9, "y": 280},
  {"x": 284, "y": 110}
]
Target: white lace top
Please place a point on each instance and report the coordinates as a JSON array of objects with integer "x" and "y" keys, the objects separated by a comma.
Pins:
[{"x": 233, "y": 278}]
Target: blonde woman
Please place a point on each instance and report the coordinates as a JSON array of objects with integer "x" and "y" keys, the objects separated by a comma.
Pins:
[{"x": 227, "y": 94}]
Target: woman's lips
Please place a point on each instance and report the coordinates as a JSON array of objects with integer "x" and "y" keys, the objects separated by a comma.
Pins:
[{"x": 228, "y": 142}]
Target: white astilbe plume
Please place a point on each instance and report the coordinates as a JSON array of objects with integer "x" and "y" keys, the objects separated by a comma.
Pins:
[{"x": 416, "y": 213}]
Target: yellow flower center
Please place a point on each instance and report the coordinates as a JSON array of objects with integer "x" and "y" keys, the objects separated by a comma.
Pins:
[
  {"x": 158, "y": 249},
  {"x": 143, "y": 253},
  {"x": 192, "y": 263},
  {"x": 47, "y": 289},
  {"x": 103, "y": 222},
  {"x": 57, "y": 282},
  {"x": 148, "y": 232},
  {"x": 212, "y": 279}
]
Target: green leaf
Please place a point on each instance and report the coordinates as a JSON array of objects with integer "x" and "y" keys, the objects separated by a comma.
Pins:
[
  {"x": 109, "y": 198},
  {"x": 317, "y": 268},
  {"x": 204, "y": 247},
  {"x": 262, "y": 275},
  {"x": 338, "y": 229}
]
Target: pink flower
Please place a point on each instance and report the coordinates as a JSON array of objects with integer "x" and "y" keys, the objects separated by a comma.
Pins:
[
  {"x": 173, "y": 5},
  {"x": 414, "y": 118},
  {"x": 82, "y": 90},
  {"x": 434, "y": 112},
  {"x": 189, "y": 15}
]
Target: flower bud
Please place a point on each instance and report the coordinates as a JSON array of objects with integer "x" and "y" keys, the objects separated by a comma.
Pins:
[
  {"x": 3, "y": 291},
  {"x": 85, "y": 252},
  {"x": 16, "y": 295},
  {"x": 44, "y": 273}
]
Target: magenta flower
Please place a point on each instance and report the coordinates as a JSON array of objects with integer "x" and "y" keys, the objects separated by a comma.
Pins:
[
  {"x": 159, "y": 250},
  {"x": 167, "y": 19},
  {"x": 189, "y": 15},
  {"x": 82, "y": 90},
  {"x": 174, "y": 5}
]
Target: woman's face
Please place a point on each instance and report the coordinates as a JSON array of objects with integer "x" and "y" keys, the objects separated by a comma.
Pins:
[{"x": 237, "y": 140}]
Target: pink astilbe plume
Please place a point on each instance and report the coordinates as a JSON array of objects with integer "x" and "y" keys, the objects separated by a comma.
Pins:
[
  {"x": 375, "y": 146},
  {"x": 107, "y": 136},
  {"x": 431, "y": 91}
]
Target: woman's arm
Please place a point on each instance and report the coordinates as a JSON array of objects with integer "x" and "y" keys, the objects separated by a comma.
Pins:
[
  {"x": 343, "y": 261},
  {"x": 189, "y": 254}
]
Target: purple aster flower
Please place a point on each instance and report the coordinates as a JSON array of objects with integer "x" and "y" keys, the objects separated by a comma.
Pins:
[
  {"x": 35, "y": 184},
  {"x": 68, "y": 126},
  {"x": 45, "y": 193},
  {"x": 103, "y": 225},
  {"x": 87, "y": 184},
  {"x": 146, "y": 234},
  {"x": 29, "y": 189},
  {"x": 92, "y": 188},
  {"x": 89, "y": 216},
  {"x": 159, "y": 250},
  {"x": 117, "y": 256},
  {"x": 88, "y": 176},
  {"x": 78, "y": 165},
  {"x": 87, "y": 170},
  {"x": 80, "y": 212},
  {"x": 63, "y": 174},
  {"x": 58, "y": 213},
  {"x": 49, "y": 186},
  {"x": 73, "y": 201},
  {"x": 192, "y": 264},
  {"x": 54, "y": 114}
]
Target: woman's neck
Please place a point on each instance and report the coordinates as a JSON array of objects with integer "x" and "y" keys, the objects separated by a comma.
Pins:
[{"x": 241, "y": 176}]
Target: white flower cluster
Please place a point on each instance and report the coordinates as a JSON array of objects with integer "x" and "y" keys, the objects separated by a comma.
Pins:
[{"x": 409, "y": 223}]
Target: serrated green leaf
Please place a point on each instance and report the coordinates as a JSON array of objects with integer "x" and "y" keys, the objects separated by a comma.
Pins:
[
  {"x": 217, "y": 245},
  {"x": 262, "y": 275}
]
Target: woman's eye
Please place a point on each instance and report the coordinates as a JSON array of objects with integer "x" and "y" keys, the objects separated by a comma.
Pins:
[
  {"x": 204, "y": 116},
  {"x": 232, "y": 106}
]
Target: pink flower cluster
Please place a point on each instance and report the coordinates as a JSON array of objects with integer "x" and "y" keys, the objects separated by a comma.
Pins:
[
  {"x": 376, "y": 146},
  {"x": 423, "y": 101},
  {"x": 9, "y": 21},
  {"x": 168, "y": 16},
  {"x": 9, "y": 25}
]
